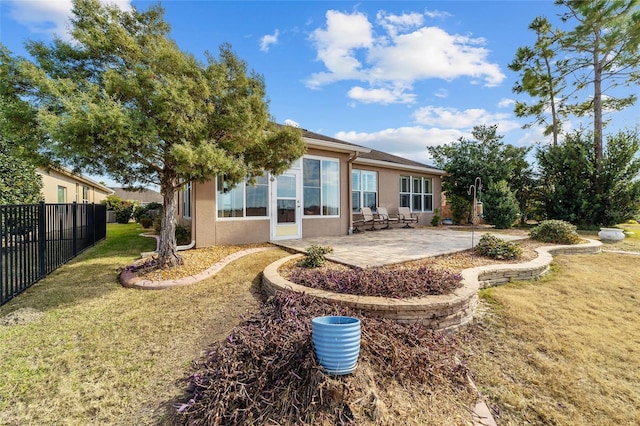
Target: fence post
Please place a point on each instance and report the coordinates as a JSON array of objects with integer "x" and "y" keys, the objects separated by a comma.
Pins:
[
  {"x": 74, "y": 216},
  {"x": 42, "y": 239}
]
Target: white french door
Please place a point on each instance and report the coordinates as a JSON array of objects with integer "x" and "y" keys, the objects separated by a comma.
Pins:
[{"x": 286, "y": 211}]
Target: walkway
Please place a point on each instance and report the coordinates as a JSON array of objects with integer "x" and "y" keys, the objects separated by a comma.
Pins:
[{"x": 384, "y": 247}]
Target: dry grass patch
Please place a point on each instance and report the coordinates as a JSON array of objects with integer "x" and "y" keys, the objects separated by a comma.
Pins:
[
  {"x": 103, "y": 354},
  {"x": 565, "y": 349}
]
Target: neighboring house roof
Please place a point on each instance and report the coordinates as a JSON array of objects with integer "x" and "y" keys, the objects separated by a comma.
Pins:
[
  {"x": 366, "y": 155},
  {"x": 142, "y": 196}
]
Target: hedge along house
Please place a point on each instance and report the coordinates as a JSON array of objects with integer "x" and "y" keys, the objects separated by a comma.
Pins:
[{"x": 317, "y": 196}]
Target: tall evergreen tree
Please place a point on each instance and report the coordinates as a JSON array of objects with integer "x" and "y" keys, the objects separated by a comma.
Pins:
[
  {"x": 603, "y": 52},
  {"x": 541, "y": 76},
  {"x": 19, "y": 137},
  {"x": 124, "y": 100}
]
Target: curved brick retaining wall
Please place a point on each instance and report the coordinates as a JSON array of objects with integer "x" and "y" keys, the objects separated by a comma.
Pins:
[{"x": 436, "y": 312}]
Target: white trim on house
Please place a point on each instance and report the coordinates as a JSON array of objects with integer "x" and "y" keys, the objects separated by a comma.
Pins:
[
  {"x": 397, "y": 166},
  {"x": 335, "y": 146}
]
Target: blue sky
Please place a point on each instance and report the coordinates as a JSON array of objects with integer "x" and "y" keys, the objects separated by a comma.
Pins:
[{"x": 391, "y": 75}]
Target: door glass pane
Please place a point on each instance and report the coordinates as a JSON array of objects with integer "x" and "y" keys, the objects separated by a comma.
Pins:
[
  {"x": 286, "y": 186},
  {"x": 286, "y": 211}
]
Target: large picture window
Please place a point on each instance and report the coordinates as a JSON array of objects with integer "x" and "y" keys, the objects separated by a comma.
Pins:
[
  {"x": 321, "y": 187},
  {"x": 243, "y": 200},
  {"x": 416, "y": 193},
  {"x": 364, "y": 189}
]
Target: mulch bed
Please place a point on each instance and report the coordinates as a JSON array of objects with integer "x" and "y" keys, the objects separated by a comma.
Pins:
[{"x": 266, "y": 372}]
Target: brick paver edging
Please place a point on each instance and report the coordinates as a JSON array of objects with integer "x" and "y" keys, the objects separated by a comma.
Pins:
[
  {"x": 130, "y": 279},
  {"x": 446, "y": 311},
  {"x": 437, "y": 312}
]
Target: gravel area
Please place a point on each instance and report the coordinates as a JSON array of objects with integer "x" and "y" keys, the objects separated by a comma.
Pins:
[{"x": 195, "y": 261}]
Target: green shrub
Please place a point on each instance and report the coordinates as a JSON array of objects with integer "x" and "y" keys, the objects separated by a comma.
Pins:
[
  {"x": 555, "y": 231},
  {"x": 183, "y": 235},
  {"x": 497, "y": 248},
  {"x": 157, "y": 223},
  {"x": 123, "y": 212},
  {"x": 146, "y": 222},
  {"x": 142, "y": 211},
  {"x": 501, "y": 207},
  {"x": 435, "y": 220},
  {"x": 460, "y": 208},
  {"x": 315, "y": 256}
]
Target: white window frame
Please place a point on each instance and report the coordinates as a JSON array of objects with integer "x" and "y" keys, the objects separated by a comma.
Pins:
[
  {"x": 243, "y": 187},
  {"x": 322, "y": 194},
  {"x": 418, "y": 186},
  {"x": 361, "y": 188}
]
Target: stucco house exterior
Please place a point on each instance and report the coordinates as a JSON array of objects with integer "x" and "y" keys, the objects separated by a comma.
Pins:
[
  {"x": 317, "y": 196},
  {"x": 61, "y": 185}
]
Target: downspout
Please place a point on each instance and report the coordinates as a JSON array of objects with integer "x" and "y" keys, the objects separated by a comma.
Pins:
[{"x": 350, "y": 161}]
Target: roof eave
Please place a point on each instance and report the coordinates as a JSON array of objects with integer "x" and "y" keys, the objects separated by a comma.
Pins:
[
  {"x": 335, "y": 146},
  {"x": 399, "y": 166}
]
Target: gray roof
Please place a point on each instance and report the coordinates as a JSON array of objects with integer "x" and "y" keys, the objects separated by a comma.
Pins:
[
  {"x": 374, "y": 154},
  {"x": 144, "y": 196}
]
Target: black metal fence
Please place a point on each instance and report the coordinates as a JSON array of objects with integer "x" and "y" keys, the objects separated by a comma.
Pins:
[{"x": 38, "y": 238}]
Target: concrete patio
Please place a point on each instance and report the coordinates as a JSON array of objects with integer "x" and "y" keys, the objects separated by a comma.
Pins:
[{"x": 385, "y": 247}]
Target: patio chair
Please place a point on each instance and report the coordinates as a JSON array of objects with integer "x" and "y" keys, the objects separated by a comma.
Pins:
[
  {"x": 369, "y": 218},
  {"x": 407, "y": 217},
  {"x": 383, "y": 214}
]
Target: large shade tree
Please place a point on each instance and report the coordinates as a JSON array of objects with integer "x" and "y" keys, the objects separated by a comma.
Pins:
[
  {"x": 123, "y": 99},
  {"x": 485, "y": 156},
  {"x": 19, "y": 137}
]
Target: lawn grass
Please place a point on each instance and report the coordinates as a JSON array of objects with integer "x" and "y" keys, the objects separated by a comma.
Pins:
[
  {"x": 102, "y": 354},
  {"x": 563, "y": 350}
]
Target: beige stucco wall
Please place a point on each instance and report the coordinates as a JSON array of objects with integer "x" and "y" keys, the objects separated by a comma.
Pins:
[
  {"x": 208, "y": 231},
  {"x": 389, "y": 189},
  {"x": 52, "y": 179}
]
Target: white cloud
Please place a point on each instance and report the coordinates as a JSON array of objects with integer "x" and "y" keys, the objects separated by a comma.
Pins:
[
  {"x": 394, "y": 24},
  {"x": 441, "y": 93},
  {"x": 50, "y": 17},
  {"x": 406, "y": 53},
  {"x": 381, "y": 96},
  {"x": 289, "y": 122},
  {"x": 268, "y": 40},
  {"x": 407, "y": 142},
  {"x": 506, "y": 103},
  {"x": 467, "y": 119},
  {"x": 335, "y": 46},
  {"x": 437, "y": 14}
]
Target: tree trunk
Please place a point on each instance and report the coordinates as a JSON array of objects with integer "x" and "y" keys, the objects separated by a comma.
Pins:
[
  {"x": 167, "y": 253},
  {"x": 597, "y": 107}
]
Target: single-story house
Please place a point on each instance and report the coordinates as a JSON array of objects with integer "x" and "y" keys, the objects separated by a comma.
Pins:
[
  {"x": 317, "y": 196},
  {"x": 61, "y": 185},
  {"x": 141, "y": 197}
]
